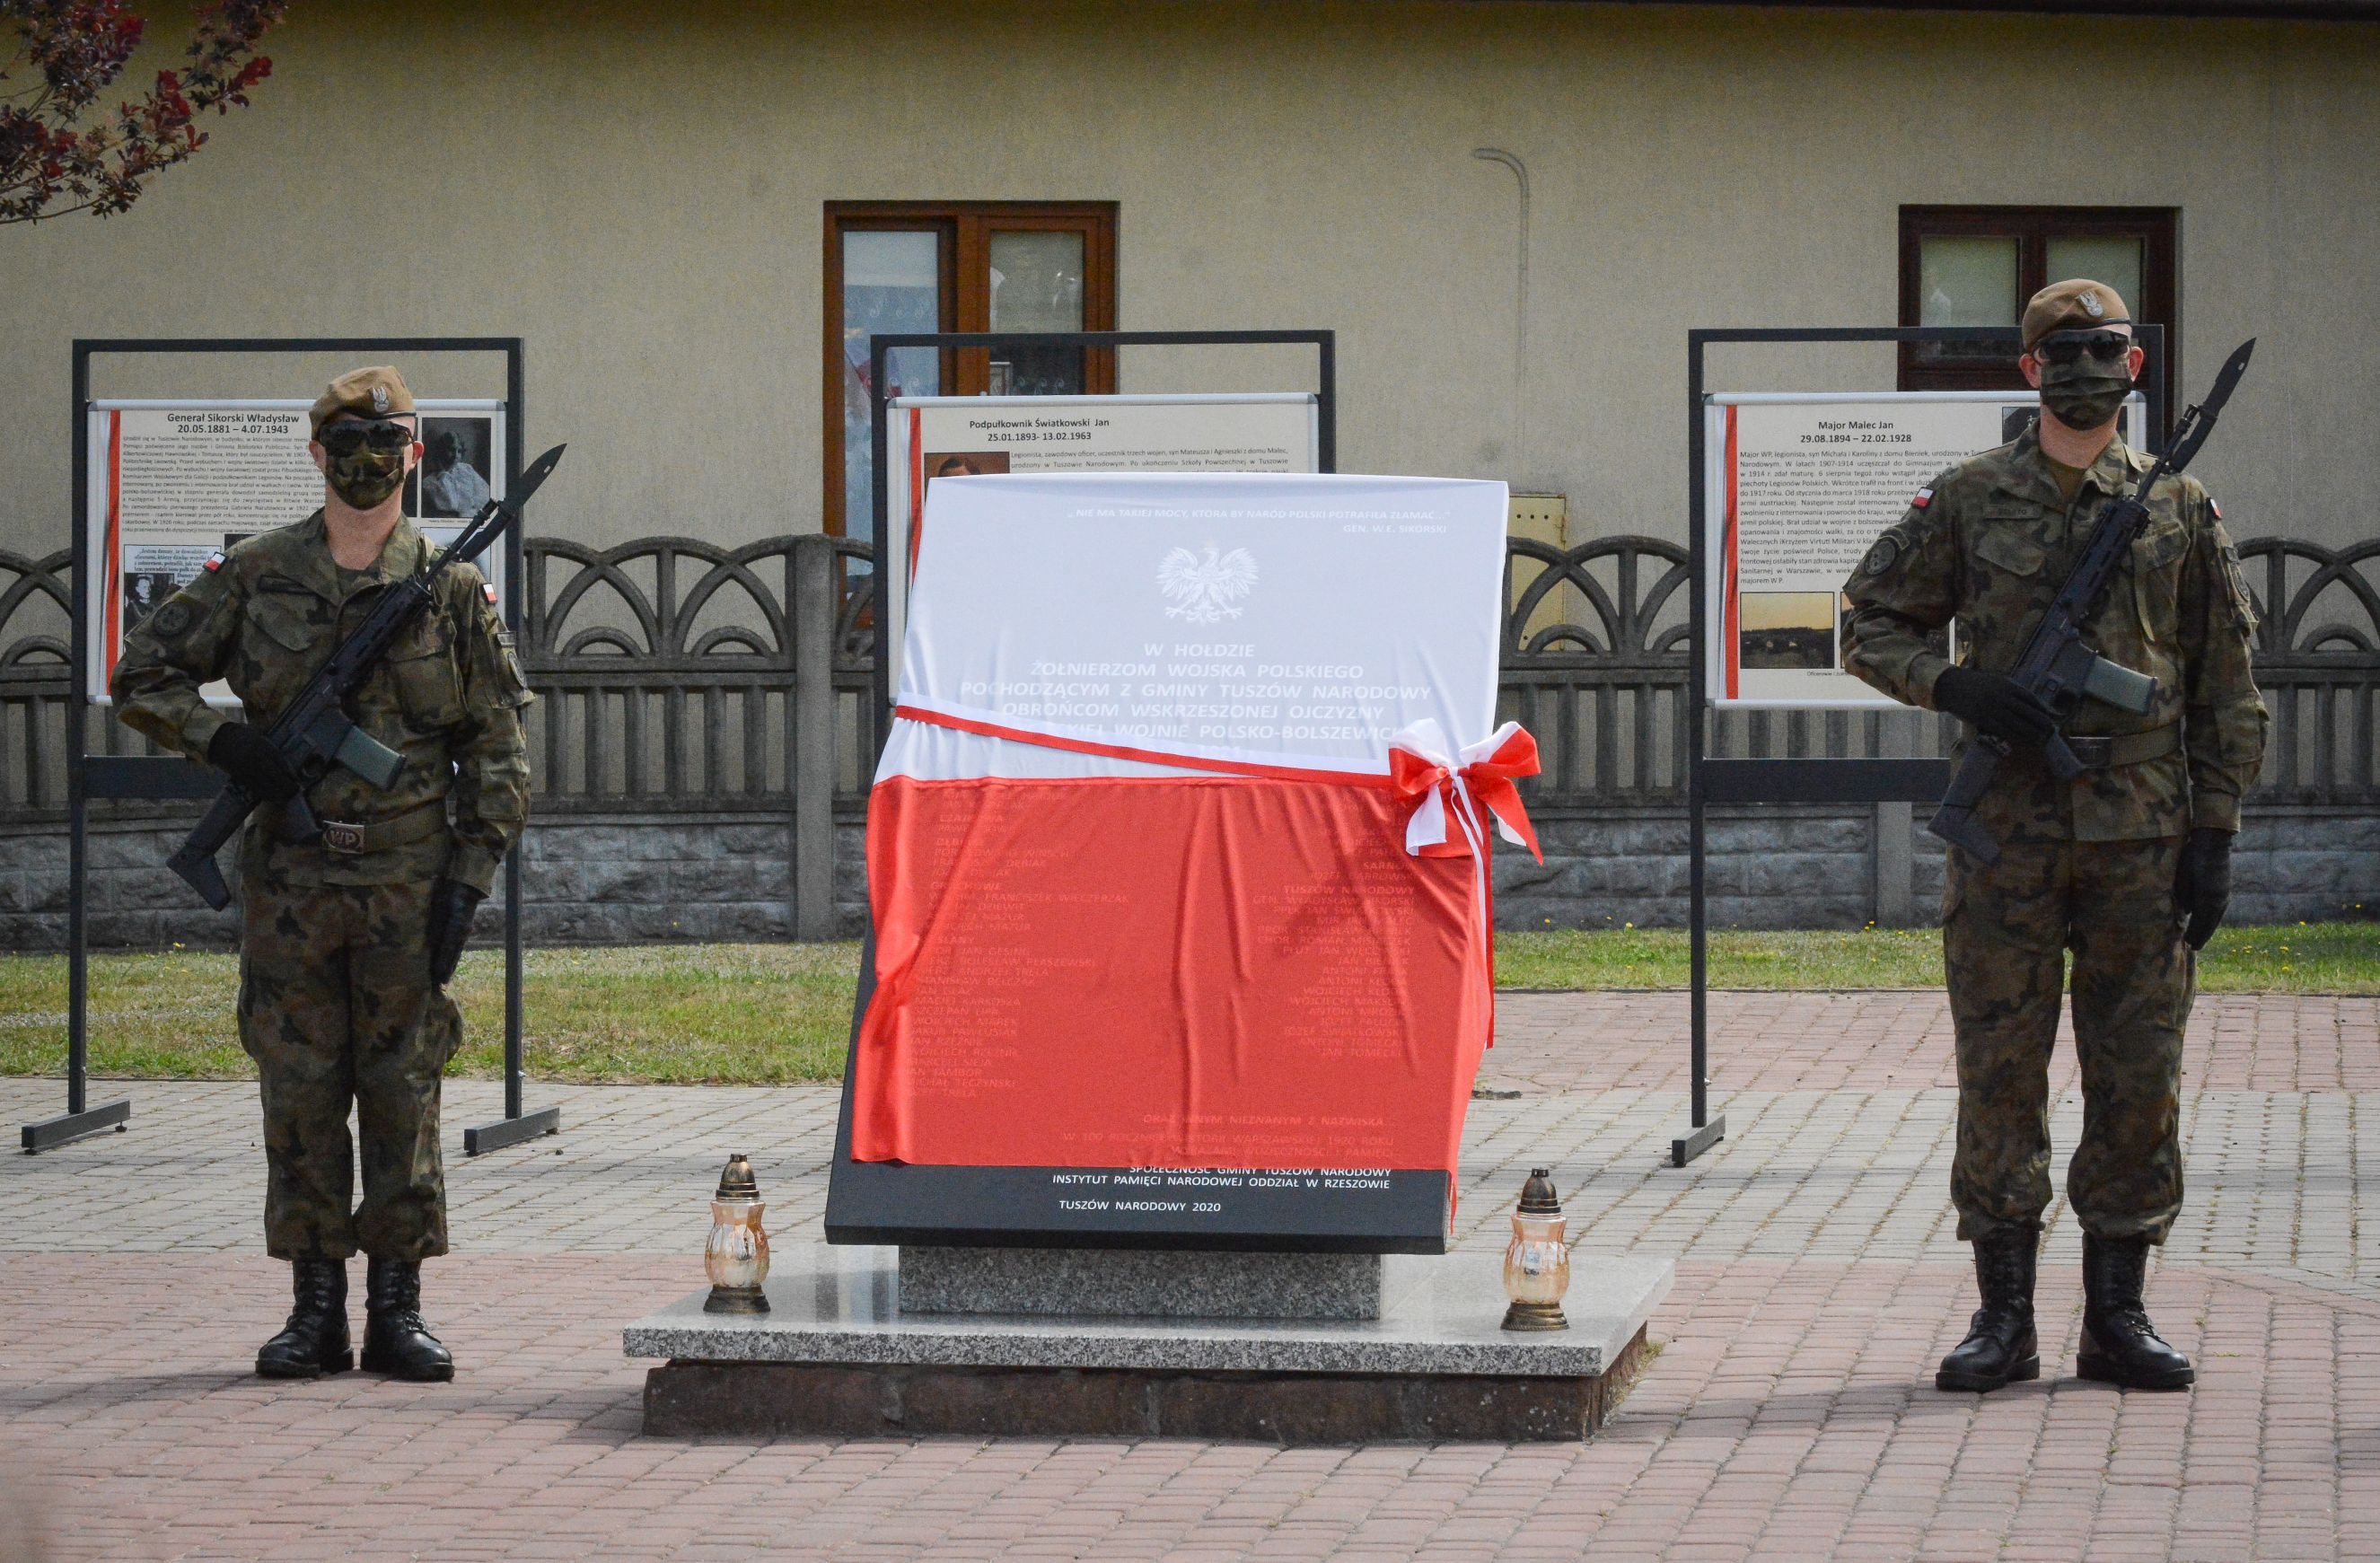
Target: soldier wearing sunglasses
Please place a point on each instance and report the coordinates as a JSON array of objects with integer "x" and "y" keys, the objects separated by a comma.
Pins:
[
  {"x": 2128, "y": 866},
  {"x": 349, "y": 939}
]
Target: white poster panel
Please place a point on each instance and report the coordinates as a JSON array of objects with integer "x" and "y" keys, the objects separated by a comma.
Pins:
[
  {"x": 933, "y": 437},
  {"x": 1797, "y": 489},
  {"x": 171, "y": 482},
  {"x": 1283, "y": 620}
]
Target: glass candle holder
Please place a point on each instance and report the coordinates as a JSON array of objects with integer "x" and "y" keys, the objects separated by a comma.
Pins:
[
  {"x": 1536, "y": 1262},
  {"x": 736, "y": 1258}
]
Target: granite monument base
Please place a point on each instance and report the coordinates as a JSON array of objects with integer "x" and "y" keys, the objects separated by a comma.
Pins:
[
  {"x": 1168, "y": 1283},
  {"x": 839, "y": 1354}
]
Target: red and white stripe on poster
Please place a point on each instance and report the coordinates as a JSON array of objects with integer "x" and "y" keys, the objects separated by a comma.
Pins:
[
  {"x": 1148, "y": 888},
  {"x": 1731, "y": 613},
  {"x": 112, "y": 556}
]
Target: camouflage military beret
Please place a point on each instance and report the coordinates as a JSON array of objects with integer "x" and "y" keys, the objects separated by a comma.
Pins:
[
  {"x": 367, "y": 393},
  {"x": 2075, "y": 305}
]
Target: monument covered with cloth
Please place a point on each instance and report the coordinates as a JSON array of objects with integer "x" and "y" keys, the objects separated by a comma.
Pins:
[
  {"x": 1181, "y": 971},
  {"x": 1175, "y": 853}
]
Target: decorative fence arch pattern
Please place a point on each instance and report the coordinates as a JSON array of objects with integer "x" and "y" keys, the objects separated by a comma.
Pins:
[
  {"x": 670, "y": 672},
  {"x": 2318, "y": 663},
  {"x": 665, "y": 669}
]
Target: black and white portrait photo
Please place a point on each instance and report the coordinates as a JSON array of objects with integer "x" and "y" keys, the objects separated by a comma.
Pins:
[
  {"x": 144, "y": 592},
  {"x": 456, "y": 466}
]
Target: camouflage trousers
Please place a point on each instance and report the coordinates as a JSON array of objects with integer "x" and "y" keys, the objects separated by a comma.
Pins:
[
  {"x": 335, "y": 1007},
  {"x": 2006, "y": 930}
]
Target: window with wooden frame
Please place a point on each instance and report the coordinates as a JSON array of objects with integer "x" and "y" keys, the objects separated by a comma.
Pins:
[
  {"x": 898, "y": 266},
  {"x": 1976, "y": 266}
]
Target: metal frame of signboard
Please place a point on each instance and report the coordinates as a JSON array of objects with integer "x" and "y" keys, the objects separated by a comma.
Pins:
[
  {"x": 146, "y": 777},
  {"x": 1710, "y": 780}
]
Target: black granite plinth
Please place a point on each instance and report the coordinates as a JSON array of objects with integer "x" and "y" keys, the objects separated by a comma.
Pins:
[{"x": 1140, "y": 1283}]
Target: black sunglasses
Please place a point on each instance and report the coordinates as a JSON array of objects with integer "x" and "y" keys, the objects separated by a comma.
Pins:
[
  {"x": 348, "y": 436},
  {"x": 2065, "y": 346}
]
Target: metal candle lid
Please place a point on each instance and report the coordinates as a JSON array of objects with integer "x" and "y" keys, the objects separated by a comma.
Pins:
[
  {"x": 1537, "y": 1197},
  {"x": 737, "y": 1182}
]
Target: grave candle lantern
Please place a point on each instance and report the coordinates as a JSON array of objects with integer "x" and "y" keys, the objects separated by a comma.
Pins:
[
  {"x": 736, "y": 1258},
  {"x": 1536, "y": 1262}
]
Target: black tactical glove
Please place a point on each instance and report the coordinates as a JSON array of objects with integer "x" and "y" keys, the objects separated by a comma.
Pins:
[
  {"x": 2202, "y": 883},
  {"x": 452, "y": 904},
  {"x": 242, "y": 753},
  {"x": 1991, "y": 703}
]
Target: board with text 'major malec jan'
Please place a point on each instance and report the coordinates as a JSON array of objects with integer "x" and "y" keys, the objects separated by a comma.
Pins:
[
  {"x": 1150, "y": 960},
  {"x": 1797, "y": 487}
]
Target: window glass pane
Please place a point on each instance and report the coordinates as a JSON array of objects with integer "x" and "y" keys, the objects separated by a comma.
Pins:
[
  {"x": 1037, "y": 285},
  {"x": 2113, "y": 260},
  {"x": 891, "y": 282},
  {"x": 1965, "y": 282}
]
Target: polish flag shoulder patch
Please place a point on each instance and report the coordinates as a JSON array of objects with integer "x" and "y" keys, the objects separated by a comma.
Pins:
[
  {"x": 488, "y": 586},
  {"x": 1920, "y": 500},
  {"x": 213, "y": 561},
  {"x": 2215, "y": 507}
]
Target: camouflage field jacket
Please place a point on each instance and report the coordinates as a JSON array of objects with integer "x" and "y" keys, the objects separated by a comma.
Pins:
[
  {"x": 1988, "y": 545},
  {"x": 266, "y": 616}
]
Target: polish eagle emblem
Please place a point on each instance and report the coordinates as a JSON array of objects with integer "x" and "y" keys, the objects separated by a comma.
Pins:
[{"x": 1204, "y": 590}]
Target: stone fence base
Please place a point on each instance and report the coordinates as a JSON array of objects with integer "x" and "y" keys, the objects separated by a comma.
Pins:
[
  {"x": 1811, "y": 866},
  {"x": 585, "y": 881},
  {"x": 647, "y": 879}
]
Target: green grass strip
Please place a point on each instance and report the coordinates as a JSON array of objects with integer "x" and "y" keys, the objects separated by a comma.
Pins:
[{"x": 763, "y": 1014}]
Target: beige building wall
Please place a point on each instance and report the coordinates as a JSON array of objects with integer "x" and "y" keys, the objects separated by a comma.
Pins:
[{"x": 637, "y": 190}]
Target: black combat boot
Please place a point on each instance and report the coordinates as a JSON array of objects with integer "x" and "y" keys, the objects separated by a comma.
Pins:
[
  {"x": 2000, "y": 1347},
  {"x": 314, "y": 1341},
  {"x": 395, "y": 1341},
  {"x": 2120, "y": 1345}
]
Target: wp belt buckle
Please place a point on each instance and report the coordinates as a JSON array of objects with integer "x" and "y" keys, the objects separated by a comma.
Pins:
[
  {"x": 341, "y": 837},
  {"x": 2094, "y": 753}
]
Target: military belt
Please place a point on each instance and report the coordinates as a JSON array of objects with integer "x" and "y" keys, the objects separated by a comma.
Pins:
[
  {"x": 2126, "y": 748},
  {"x": 346, "y": 839}
]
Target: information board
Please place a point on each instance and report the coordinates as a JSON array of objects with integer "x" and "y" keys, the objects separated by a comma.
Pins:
[
  {"x": 932, "y": 437},
  {"x": 1799, "y": 488},
  {"x": 172, "y": 482}
]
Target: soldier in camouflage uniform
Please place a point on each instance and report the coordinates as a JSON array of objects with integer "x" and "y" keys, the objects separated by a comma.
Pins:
[
  {"x": 2127, "y": 866},
  {"x": 347, "y": 941}
]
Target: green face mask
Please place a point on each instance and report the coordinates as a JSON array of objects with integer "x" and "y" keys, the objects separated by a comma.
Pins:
[
  {"x": 2084, "y": 395},
  {"x": 366, "y": 478}
]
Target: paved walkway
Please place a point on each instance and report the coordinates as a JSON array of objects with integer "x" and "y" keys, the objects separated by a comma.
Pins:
[{"x": 1789, "y": 1414}]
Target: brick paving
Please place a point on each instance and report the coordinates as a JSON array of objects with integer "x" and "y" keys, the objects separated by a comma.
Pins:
[{"x": 1789, "y": 1414}]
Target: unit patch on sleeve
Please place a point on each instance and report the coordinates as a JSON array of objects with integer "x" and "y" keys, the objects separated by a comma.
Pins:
[{"x": 1880, "y": 557}]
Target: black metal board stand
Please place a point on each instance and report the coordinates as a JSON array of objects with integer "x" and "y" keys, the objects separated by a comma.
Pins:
[
  {"x": 1712, "y": 781},
  {"x": 111, "y": 776}
]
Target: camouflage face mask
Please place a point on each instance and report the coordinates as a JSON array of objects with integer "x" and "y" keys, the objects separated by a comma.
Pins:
[
  {"x": 366, "y": 478},
  {"x": 2084, "y": 395}
]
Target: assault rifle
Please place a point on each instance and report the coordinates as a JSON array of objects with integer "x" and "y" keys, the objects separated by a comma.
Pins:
[
  {"x": 2057, "y": 668},
  {"x": 315, "y": 732}
]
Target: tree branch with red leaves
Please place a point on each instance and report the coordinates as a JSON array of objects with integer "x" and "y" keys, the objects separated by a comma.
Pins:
[{"x": 59, "y": 150}]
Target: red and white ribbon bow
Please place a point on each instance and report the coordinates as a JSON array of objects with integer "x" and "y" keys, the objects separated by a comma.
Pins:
[{"x": 1478, "y": 779}]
